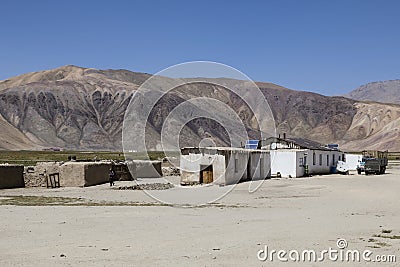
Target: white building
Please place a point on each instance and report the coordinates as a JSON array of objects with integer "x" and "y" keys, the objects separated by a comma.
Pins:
[
  {"x": 292, "y": 157},
  {"x": 223, "y": 165}
]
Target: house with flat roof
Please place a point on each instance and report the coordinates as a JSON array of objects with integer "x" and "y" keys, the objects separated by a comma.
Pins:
[
  {"x": 223, "y": 165},
  {"x": 298, "y": 157}
]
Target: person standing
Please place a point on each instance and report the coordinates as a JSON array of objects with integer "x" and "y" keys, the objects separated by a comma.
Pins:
[{"x": 111, "y": 176}]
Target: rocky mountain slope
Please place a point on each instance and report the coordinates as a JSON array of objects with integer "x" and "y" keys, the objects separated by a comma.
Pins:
[
  {"x": 383, "y": 91},
  {"x": 83, "y": 109}
]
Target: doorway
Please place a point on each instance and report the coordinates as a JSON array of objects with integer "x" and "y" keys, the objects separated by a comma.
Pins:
[{"x": 206, "y": 174}]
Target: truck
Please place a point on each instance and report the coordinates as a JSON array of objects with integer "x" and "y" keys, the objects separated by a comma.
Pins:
[{"x": 373, "y": 162}]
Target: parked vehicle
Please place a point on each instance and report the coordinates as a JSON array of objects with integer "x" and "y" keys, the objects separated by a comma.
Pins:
[
  {"x": 372, "y": 166},
  {"x": 373, "y": 162},
  {"x": 360, "y": 166},
  {"x": 342, "y": 167}
]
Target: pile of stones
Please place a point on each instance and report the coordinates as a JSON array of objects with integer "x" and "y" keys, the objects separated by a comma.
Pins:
[
  {"x": 170, "y": 171},
  {"x": 151, "y": 186}
]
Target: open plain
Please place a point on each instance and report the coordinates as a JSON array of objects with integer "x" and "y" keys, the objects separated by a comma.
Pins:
[{"x": 99, "y": 226}]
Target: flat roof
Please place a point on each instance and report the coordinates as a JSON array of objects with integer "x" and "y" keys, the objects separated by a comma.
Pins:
[
  {"x": 222, "y": 148},
  {"x": 10, "y": 165}
]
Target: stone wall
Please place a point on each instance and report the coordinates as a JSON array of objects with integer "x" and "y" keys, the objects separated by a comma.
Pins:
[
  {"x": 96, "y": 173},
  {"x": 147, "y": 168},
  {"x": 11, "y": 176},
  {"x": 72, "y": 174},
  {"x": 35, "y": 176},
  {"x": 79, "y": 174}
]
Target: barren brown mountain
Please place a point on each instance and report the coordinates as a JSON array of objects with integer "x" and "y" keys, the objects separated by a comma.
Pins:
[
  {"x": 382, "y": 91},
  {"x": 83, "y": 109}
]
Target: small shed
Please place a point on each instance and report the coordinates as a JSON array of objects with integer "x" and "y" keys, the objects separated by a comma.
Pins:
[{"x": 11, "y": 176}]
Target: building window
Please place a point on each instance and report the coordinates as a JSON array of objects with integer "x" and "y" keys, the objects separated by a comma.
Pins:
[
  {"x": 236, "y": 165},
  {"x": 327, "y": 160},
  {"x": 301, "y": 164},
  {"x": 320, "y": 159},
  {"x": 313, "y": 158}
]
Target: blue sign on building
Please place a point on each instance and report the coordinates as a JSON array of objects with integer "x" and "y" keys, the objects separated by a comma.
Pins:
[
  {"x": 251, "y": 144},
  {"x": 333, "y": 146}
]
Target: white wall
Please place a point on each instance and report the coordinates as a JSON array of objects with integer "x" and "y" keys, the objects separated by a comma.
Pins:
[
  {"x": 325, "y": 167},
  {"x": 353, "y": 160},
  {"x": 260, "y": 165},
  {"x": 284, "y": 161},
  {"x": 291, "y": 162},
  {"x": 190, "y": 167},
  {"x": 219, "y": 169},
  {"x": 300, "y": 154},
  {"x": 234, "y": 174}
]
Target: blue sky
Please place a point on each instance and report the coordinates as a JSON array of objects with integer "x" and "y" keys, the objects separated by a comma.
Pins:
[{"x": 329, "y": 47}]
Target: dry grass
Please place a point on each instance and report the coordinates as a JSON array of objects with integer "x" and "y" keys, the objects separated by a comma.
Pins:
[
  {"x": 65, "y": 201},
  {"x": 382, "y": 244},
  {"x": 21, "y": 200},
  {"x": 29, "y": 158},
  {"x": 388, "y": 236}
]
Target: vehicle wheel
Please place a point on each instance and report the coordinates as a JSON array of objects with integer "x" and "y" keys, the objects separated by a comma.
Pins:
[{"x": 359, "y": 171}]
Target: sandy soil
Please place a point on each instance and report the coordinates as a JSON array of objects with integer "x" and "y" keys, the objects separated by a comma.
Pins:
[{"x": 306, "y": 213}]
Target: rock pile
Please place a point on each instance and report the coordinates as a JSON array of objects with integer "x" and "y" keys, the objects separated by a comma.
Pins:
[
  {"x": 170, "y": 171},
  {"x": 152, "y": 186}
]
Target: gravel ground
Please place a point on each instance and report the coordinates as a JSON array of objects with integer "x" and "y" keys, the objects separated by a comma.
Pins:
[{"x": 305, "y": 213}]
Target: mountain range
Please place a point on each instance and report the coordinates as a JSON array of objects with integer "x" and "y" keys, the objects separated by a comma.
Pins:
[
  {"x": 78, "y": 108},
  {"x": 382, "y": 91}
]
